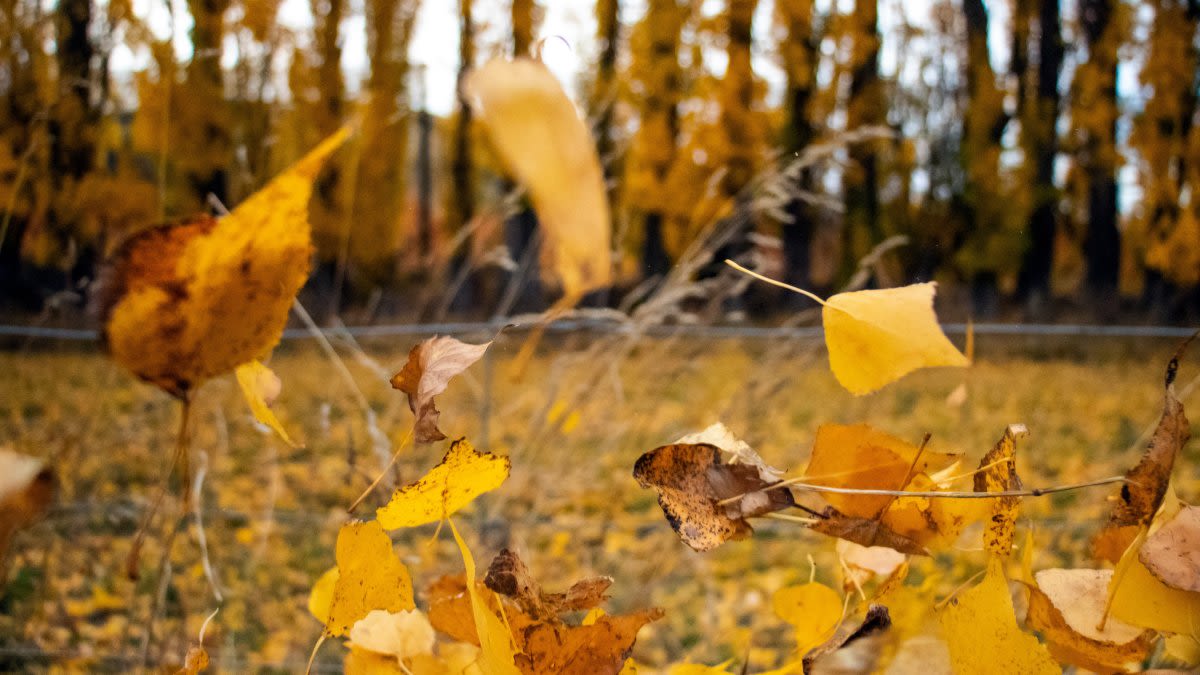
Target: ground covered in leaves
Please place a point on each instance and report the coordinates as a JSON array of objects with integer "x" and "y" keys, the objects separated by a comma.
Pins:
[{"x": 573, "y": 423}]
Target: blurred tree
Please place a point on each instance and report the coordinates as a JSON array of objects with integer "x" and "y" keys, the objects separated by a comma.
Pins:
[
  {"x": 801, "y": 57},
  {"x": 1094, "y": 118},
  {"x": 865, "y": 106},
  {"x": 520, "y": 227},
  {"x": 655, "y": 82},
  {"x": 201, "y": 115},
  {"x": 603, "y": 97}
]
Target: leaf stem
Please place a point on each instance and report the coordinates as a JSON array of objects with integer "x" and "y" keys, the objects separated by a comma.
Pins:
[
  {"x": 379, "y": 479},
  {"x": 799, "y": 484},
  {"x": 773, "y": 282}
]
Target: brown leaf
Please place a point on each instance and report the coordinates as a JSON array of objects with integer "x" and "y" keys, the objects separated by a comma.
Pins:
[
  {"x": 1172, "y": 554},
  {"x": 864, "y": 532},
  {"x": 1145, "y": 484},
  {"x": 876, "y": 620},
  {"x": 195, "y": 662},
  {"x": 450, "y": 609},
  {"x": 26, "y": 489},
  {"x": 691, "y": 480},
  {"x": 599, "y": 648},
  {"x": 430, "y": 367},
  {"x": 508, "y": 576},
  {"x": 998, "y": 473}
]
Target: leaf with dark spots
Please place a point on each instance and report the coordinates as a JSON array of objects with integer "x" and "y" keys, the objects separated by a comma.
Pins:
[
  {"x": 430, "y": 367},
  {"x": 998, "y": 473},
  {"x": 599, "y": 648},
  {"x": 692, "y": 482},
  {"x": 508, "y": 576},
  {"x": 1146, "y": 483},
  {"x": 876, "y": 620},
  {"x": 864, "y": 532}
]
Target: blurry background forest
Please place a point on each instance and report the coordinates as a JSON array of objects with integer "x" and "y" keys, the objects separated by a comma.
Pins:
[{"x": 1040, "y": 158}]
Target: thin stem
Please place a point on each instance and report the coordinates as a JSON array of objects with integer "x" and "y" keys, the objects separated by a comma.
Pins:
[
  {"x": 179, "y": 459},
  {"x": 792, "y": 519},
  {"x": 1036, "y": 492},
  {"x": 313, "y": 656},
  {"x": 773, "y": 282},
  {"x": 379, "y": 479}
]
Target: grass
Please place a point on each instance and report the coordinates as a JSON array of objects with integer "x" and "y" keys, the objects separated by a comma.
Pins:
[{"x": 574, "y": 423}]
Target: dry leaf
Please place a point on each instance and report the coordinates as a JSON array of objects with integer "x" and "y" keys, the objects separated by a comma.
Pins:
[
  {"x": 865, "y": 562},
  {"x": 813, "y": 610},
  {"x": 260, "y": 387},
  {"x": 180, "y": 304},
  {"x": 876, "y": 620},
  {"x": 370, "y": 576},
  {"x": 596, "y": 649},
  {"x": 737, "y": 450},
  {"x": 998, "y": 473},
  {"x": 496, "y": 653},
  {"x": 27, "y": 487},
  {"x": 876, "y": 337},
  {"x": 539, "y": 135},
  {"x": 1172, "y": 554},
  {"x": 508, "y": 576},
  {"x": 462, "y": 475},
  {"x": 691, "y": 480},
  {"x": 982, "y": 633},
  {"x": 864, "y": 532},
  {"x": 1146, "y": 483},
  {"x": 1142, "y": 600},
  {"x": 1066, "y": 606},
  {"x": 430, "y": 367}
]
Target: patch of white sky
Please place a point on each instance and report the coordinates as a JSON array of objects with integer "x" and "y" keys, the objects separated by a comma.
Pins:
[{"x": 569, "y": 47}]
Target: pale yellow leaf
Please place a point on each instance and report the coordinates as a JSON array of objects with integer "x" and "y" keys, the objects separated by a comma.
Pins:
[{"x": 260, "y": 386}]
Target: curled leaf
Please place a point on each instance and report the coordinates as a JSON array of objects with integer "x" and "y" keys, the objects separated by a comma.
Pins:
[
  {"x": 1066, "y": 606},
  {"x": 691, "y": 482},
  {"x": 736, "y": 450},
  {"x": 260, "y": 386},
  {"x": 430, "y": 367},
  {"x": 864, "y": 532},
  {"x": 370, "y": 577},
  {"x": 496, "y": 656},
  {"x": 1172, "y": 554},
  {"x": 1146, "y": 483},
  {"x": 876, "y": 337},
  {"x": 180, "y": 304},
  {"x": 195, "y": 662},
  {"x": 462, "y": 475},
  {"x": 998, "y": 473},
  {"x": 539, "y": 135},
  {"x": 875, "y": 621},
  {"x": 508, "y": 576}
]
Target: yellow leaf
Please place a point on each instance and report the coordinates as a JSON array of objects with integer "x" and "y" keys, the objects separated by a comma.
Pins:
[
  {"x": 982, "y": 633},
  {"x": 814, "y": 611},
  {"x": 540, "y": 136},
  {"x": 260, "y": 386},
  {"x": 1142, "y": 600},
  {"x": 320, "y": 599},
  {"x": 495, "y": 642},
  {"x": 876, "y": 337},
  {"x": 998, "y": 473},
  {"x": 183, "y": 303},
  {"x": 463, "y": 475},
  {"x": 370, "y": 576}
]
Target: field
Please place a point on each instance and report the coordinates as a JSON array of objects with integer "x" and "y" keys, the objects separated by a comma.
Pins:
[{"x": 573, "y": 422}]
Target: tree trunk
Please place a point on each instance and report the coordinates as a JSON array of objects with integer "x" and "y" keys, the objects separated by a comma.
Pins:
[
  {"x": 801, "y": 57},
  {"x": 1102, "y": 247},
  {"x": 865, "y": 108}
]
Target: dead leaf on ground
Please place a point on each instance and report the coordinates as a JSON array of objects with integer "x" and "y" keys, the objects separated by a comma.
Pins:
[
  {"x": 1066, "y": 606},
  {"x": 1146, "y": 483},
  {"x": 463, "y": 474},
  {"x": 998, "y": 473},
  {"x": 1172, "y": 554},
  {"x": 691, "y": 480},
  {"x": 875, "y": 621},
  {"x": 27, "y": 487},
  {"x": 430, "y": 367},
  {"x": 508, "y": 576}
]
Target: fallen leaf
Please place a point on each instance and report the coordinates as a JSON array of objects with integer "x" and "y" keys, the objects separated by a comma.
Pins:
[
  {"x": 180, "y": 304},
  {"x": 398, "y": 634},
  {"x": 1172, "y": 553},
  {"x": 496, "y": 653},
  {"x": 691, "y": 480},
  {"x": 814, "y": 611},
  {"x": 430, "y": 367},
  {"x": 462, "y": 475},
  {"x": 876, "y": 620},
  {"x": 998, "y": 473},
  {"x": 982, "y": 634},
  {"x": 508, "y": 576},
  {"x": 1066, "y": 607},
  {"x": 195, "y": 662},
  {"x": 600, "y": 648},
  {"x": 1146, "y": 483},
  {"x": 260, "y": 387},
  {"x": 876, "y": 337},
  {"x": 27, "y": 487},
  {"x": 370, "y": 576},
  {"x": 540, "y": 136}
]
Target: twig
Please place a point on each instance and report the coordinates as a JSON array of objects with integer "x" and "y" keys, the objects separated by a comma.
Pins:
[
  {"x": 179, "y": 459},
  {"x": 379, "y": 479},
  {"x": 773, "y": 282},
  {"x": 209, "y": 572},
  {"x": 1036, "y": 492}
]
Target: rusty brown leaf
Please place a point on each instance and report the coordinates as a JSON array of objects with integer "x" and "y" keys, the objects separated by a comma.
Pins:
[
  {"x": 430, "y": 367},
  {"x": 864, "y": 532},
  {"x": 599, "y": 648},
  {"x": 508, "y": 576}
]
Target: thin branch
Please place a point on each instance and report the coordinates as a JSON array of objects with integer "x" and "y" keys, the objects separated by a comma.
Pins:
[
  {"x": 379, "y": 479},
  {"x": 799, "y": 484},
  {"x": 773, "y": 282}
]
